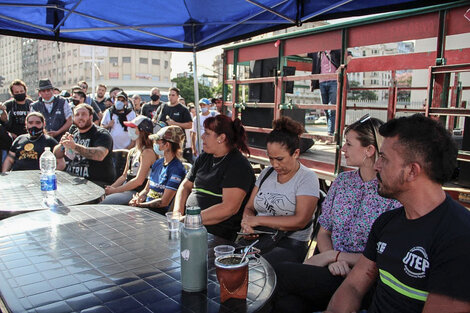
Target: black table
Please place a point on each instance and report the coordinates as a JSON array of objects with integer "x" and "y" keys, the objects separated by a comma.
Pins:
[
  {"x": 21, "y": 191},
  {"x": 108, "y": 258}
]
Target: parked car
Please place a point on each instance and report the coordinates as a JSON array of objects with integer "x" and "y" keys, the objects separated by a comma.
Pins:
[{"x": 145, "y": 95}]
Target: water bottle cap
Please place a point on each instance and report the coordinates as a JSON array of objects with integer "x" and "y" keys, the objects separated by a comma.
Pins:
[
  {"x": 47, "y": 148},
  {"x": 193, "y": 210}
]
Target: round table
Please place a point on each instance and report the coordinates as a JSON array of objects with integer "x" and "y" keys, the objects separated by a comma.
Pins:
[
  {"x": 108, "y": 258},
  {"x": 21, "y": 191}
]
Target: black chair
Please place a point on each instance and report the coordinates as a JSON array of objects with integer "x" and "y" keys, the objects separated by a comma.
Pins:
[{"x": 119, "y": 160}]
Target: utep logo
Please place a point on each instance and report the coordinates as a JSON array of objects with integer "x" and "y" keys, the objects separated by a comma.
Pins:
[
  {"x": 381, "y": 247},
  {"x": 416, "y": 262}
]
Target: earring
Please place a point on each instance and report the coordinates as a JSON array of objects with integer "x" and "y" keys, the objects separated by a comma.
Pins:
[{"x": 218, "y": 141}]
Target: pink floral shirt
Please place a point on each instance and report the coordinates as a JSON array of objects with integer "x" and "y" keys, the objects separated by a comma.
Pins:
[{"x": 350, "y": 209}]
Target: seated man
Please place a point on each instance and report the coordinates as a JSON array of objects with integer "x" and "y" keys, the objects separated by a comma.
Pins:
[
  {"x": 27, "y": 148},
  {"x": 88, "y": 149},
  {"x": 416, "y": 255}
]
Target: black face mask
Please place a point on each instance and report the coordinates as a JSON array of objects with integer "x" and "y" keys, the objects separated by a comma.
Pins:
[
  {"x": 20, "y": 96},
  {"x": 35, "y": 131},
  {"x": 75, "y": 101},
  {"x": 154, "y": 97}
]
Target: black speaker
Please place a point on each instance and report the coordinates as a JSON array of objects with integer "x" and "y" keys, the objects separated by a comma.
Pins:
[{"x": 464, "y": 167}]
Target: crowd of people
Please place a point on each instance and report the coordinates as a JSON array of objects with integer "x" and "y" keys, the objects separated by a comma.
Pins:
[{"x": 390, "y": 239}]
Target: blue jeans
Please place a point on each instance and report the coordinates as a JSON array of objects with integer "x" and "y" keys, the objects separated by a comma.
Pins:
[{"x": 328, "y": 91}]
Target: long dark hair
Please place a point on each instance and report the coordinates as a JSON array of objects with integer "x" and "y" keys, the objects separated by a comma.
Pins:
[
  {"x": 287, "y": 133},
  {"x": 233, "y": 130},
  {"x": 143, "y": 141}
]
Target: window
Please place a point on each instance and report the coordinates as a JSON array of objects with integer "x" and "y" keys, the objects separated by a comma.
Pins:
[
  {"x": 126, "y": 77},
  {"x": 166, "y": 64},
  {"x": 126, "y": 59},
  {"x": 156, "y": 61},
  {"x": 363, "y": 53},
  {"x": 143, "y": 60},
  {"x": 75, "y": 52},
  {"x": 156, "y": 77},
  {"x": 113, "y": 60}
]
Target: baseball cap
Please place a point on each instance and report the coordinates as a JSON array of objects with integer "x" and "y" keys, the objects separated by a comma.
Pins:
[
  {"x": 122, "y": 94},
  {"x": 205, "y": 101},
  {"x": 171, "y": 133},
  {"x": 142, "y": 122}
]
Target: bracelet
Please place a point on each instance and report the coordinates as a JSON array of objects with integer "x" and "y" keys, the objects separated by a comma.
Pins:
[{"x": 337, "y": 255}]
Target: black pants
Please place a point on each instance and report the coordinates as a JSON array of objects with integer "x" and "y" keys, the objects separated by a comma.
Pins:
[
  {"x": 287, "y": 250},
  {"x": 306, "y": 288}
]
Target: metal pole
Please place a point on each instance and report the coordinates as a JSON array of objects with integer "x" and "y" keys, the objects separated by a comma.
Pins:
[
  {"x": 93, "y": 82},
  {"x": 196, "y": 102}
]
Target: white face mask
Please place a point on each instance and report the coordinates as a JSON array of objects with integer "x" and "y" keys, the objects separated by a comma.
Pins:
[
  {"x": 157, "y": 150},
  {"x": 119, "y": 105},
  {"x": 131, "y": 131}
]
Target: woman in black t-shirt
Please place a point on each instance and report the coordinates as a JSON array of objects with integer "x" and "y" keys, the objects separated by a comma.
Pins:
[{"x": 221, "y": 179}]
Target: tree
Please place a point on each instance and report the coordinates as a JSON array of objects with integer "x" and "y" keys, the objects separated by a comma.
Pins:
[
  {"x": 360, "y": 94},
  {"x": 186, "y": 87}
]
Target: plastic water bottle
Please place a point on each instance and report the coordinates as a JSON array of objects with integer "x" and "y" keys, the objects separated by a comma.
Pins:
[
  {"x": 47, "y": 164},
  {"x": 193, "y": 251}
]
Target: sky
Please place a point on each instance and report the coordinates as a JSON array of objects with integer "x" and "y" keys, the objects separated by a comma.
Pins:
[{"x": 180, "y": 60}]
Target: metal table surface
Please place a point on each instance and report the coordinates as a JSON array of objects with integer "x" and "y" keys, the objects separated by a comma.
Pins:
[
  {"x": 21, "y": 191},
  {"x": 108, "y": 258}
]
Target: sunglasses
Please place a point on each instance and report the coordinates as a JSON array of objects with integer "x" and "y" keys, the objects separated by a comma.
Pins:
[{"x": 363, "y": 120}]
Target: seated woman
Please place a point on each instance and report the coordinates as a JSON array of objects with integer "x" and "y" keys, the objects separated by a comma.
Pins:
[
  {"x": 287, "y": 197},
  {"x": 166, "y": 174},
  {"x": 221, "y": 178},
  {"x": 348, "y": 212},
  {"x": 139, "y": 160},
  {"x": 26, "y": 149}
]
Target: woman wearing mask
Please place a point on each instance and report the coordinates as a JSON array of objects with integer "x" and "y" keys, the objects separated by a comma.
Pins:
[
  {"x": 139, "y": 161},
  {"x": 166, "y": 174},
  {"x": 221, "y": 179},
  {"x": 26, "y": 150},
  {"x": 348, "y": 212}
]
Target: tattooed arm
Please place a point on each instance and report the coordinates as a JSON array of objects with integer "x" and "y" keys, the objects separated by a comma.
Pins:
[{"x": 92, "y": 153}]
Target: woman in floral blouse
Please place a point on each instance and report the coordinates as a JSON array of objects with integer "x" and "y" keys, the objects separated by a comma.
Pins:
[{"x": 348, "y": 212}]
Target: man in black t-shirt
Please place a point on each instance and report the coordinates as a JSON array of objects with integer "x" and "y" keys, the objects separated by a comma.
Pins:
[
  {"x": 416, "y": 255},
  {"x": 174, "y": 113},
  {"x": 16, "y": 109},
  {"x": 88, "y": 149},
  {"x": 148, "y": 109},
  {"x": 27, "y": 148}
]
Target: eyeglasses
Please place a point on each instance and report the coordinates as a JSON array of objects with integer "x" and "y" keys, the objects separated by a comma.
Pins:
[
  {"x": 84, "y": 87},
  {"x": 366, "y": 118}
]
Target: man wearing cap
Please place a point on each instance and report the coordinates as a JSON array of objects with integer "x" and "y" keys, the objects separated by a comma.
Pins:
[
  {"x": 166, "y": 173},
  {"x": 204, "y": 104},
  {"x": 15, "y": 110},
  {"x": 114, "y": 118},
  {"x": 149, "y": 108},
  {"x": 56, "y": 110},
  {"x": 88, "y": 149}
]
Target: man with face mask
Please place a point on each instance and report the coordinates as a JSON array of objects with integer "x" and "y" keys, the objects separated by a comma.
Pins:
[
  {"x": 113, "y": 120},
  {"x": 79, "y": 97},
  {"x": 204, "y": 104},
  {"x": 91, "y": 148},
  {"x": 149, "y": 108},
  {"x": 16, "y": 109},
  {"x": 56, "y": 110},
  {"x": 27, "y": 148}
]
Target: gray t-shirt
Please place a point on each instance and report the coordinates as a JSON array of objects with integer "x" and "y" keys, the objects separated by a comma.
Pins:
[{"x": 276, "y": 199}]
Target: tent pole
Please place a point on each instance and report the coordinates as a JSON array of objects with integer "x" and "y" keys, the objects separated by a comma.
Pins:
[{"x": 196, "y": 102}]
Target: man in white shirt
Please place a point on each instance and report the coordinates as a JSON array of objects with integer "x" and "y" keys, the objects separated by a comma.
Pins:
[
  {"x": 204, "y": 104},
  {"x": 113, "y": 121}
]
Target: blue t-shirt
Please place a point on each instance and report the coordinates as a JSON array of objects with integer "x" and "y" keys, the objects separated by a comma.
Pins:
[{"x": 165, "y": 177}]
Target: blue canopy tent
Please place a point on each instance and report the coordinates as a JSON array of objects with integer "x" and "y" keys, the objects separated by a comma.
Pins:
[{"x": 177, "y": 25}]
